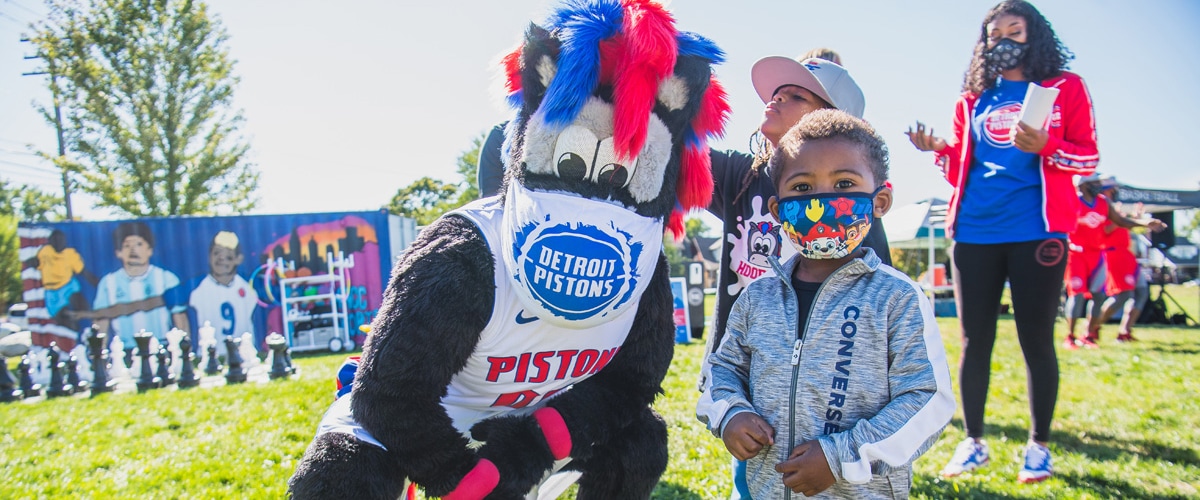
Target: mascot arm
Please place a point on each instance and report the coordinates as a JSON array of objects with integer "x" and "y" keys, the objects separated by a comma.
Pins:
[
  {"x": 525, "y": 447},
  {"x": 440, "y": 297}
]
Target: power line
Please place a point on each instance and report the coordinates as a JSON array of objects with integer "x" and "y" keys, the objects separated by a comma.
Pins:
[
  {"x": 34, "y": 168},
  {"x": 15, "y": 152},
  {"x": 13, "y": 19},
  {"x": 27, "y": 9}
]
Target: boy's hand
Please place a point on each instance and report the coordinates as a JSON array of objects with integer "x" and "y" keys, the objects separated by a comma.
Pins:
[
  {"x": 746, "y": 434},
  {"x": 806, "y": 471}
]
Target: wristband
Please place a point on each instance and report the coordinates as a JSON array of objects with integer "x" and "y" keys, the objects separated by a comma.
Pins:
[
  {"x": 554, "y": 429},
  {"x": 480, "y": 481}
]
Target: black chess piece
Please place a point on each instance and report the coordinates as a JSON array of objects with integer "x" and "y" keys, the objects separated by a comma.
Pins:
[
  {"x": 279, "y": 366},
  {"x": 164, "y": 366},
  {"x": 214, "y": 366},
  {"x": 235, "y": 374},
  {"x": 58, "y": 383},
  {"x": 98, "y": 350},
  {"x": 27, "y": 386},
  {"x": 147, "y": 381},
  {"x": 8, "y": 385},
  {"x": 77, "y": 383},
  {"x": 187, "y": 372}
]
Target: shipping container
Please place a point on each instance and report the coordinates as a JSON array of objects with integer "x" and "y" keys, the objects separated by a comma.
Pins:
[{"x": 123, "y": 276}]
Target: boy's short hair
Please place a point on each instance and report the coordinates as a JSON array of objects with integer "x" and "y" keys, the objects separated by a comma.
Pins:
[
  {"x": 127, "y": 229},
  {"x": 832, "y": 124}
]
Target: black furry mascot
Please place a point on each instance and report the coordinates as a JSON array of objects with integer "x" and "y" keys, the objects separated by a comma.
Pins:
[{"x": 530, "y": 332}]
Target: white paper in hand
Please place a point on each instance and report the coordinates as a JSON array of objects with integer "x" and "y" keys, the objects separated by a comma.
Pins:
[{"x": 1039, "y": 102}]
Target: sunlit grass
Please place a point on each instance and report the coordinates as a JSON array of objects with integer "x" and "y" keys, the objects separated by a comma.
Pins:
[{"x": 1126, "y": 426}]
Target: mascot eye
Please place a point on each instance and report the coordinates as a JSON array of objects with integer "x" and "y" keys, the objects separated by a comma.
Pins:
[
  {"x": 609, "y": 171},
  {"x": 613, "y": 174},
  {"x": 572, "y": 167}
]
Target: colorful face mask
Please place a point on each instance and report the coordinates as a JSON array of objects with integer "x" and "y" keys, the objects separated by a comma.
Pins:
[
  {"x": 827, "y": 225},
  {"x": 1006, "y": 55}
]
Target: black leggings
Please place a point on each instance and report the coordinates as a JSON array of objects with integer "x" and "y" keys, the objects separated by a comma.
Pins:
[{"x": 1034, "y": 270}]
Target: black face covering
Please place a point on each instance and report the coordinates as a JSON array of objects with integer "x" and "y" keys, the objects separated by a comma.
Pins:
[{"x": 1006, "y": 55}]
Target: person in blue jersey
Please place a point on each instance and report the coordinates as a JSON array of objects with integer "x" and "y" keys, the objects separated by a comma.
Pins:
[
  {"x": 1012, "y": 207},
  {"x": 130, "y": 299},
  {"x": 832, "y": 377}
]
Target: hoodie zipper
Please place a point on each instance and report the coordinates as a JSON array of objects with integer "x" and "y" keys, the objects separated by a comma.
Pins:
[{"x": 797, "y": 350}]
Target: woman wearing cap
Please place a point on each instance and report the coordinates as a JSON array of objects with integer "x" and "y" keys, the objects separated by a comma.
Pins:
[
  {"x": 790, "y": 88},
  {"x": 1013, "y": 204}
]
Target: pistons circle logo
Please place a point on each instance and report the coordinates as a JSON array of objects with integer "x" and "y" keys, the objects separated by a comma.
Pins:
[
  {"x": 577, "y": 273},
  {"x": 998, "y": 124},
  {"x": 1050, "y": 252}
]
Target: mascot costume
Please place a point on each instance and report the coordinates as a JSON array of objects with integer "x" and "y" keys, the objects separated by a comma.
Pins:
[{"x": 531, "y": 331}]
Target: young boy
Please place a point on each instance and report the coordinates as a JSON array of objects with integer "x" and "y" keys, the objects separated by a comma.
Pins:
[{"x": 831, "y": 377}]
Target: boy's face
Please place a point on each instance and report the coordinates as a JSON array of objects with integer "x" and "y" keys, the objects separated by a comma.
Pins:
[
  {"x": 223, "y": 261},
  {"x": 828, "y": 166},
  {"x": 135, "y": 251}
]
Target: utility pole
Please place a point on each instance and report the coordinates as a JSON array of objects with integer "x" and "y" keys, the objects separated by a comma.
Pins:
[{"x": 58, "y": 127}]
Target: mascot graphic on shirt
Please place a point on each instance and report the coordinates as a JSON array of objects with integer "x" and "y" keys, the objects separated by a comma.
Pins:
[{"x": 530, "y": 332}]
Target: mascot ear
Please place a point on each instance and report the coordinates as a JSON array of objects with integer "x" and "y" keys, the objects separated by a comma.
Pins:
[{"x": 539, "y": 56}]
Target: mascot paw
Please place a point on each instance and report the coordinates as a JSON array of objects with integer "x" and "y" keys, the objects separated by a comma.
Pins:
[
  {"x": 519, "y": 450},
  {"x": 476, "y": 484},
  {"x": 337, "y": 465}
]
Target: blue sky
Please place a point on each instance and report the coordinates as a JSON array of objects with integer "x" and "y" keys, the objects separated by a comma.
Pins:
[{"x": 346, "y": 102}]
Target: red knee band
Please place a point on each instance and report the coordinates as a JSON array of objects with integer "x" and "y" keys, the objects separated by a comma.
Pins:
[
  {"x": 555, "y": 431},
  {"x": 480, "y": 481}
]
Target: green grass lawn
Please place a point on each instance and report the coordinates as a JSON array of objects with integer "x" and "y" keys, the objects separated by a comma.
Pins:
[{"x": 1127, "y": 425}]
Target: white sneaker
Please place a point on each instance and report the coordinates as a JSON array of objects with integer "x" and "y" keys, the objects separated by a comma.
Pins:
[
  {"x": 1037, "y": 464},
  {"x": 968, "y": 456}
]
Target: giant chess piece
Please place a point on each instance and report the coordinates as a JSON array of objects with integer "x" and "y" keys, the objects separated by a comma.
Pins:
[
  {"x": 8, "y": 385},
  {"x": 279, "y": 361},
  {"x": 147, "y": 381},
  {"x": 164, "y": 366},
  {"x": 26, "y": 380},
  {"x": 214, "y": 366},
  {"x": 187, "y": 372},
  {"x": 100, "y": 381},
  {"x": 77, "y": 383},
  {"x": 58, "y": 384},
  {"x": 11, "y": 346},
  {"x": 235, "y": 374}
]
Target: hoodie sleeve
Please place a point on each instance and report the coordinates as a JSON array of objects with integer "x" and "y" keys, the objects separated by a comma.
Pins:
[
  {"x": 922, "y": 402},
  {"x": 727, "y": 393}
]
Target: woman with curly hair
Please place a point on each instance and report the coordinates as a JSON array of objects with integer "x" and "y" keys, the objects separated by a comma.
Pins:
[{"x": 1013, "y": 204}]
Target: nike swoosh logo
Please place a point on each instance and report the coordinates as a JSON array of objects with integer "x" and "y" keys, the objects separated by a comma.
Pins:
[{"x": 521, "y": 319}]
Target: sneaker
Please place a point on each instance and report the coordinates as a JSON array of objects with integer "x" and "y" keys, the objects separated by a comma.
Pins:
[
  {"x": 968, "y": 456},
  {"x": 1125, "y": 337},
  {"x": 1037, "y": 464},
  {"x": 1089, "y": 342},
  {"x": 1070, "y": 343}
]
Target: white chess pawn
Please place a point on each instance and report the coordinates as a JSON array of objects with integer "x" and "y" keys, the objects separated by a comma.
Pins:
[
  {"x": 248, "y": 351},
  {"x": 116, "y": 360}
]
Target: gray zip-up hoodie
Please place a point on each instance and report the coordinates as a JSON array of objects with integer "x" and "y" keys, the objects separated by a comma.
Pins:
[{"x": 868, "y": 379}]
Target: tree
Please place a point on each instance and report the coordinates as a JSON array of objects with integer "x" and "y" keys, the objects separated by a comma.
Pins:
[
  {"x": 426, "y": 198},
  {"x": 146, "y": 88},
  {"x": 10, "y": 262},
  {"x": 694, "y": 227},
  {"x": 28, "y": 203}
]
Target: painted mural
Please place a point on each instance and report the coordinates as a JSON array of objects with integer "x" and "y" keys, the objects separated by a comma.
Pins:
[{"x": 182, "y": 272}]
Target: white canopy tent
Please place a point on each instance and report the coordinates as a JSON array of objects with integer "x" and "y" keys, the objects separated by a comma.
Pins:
[{"x": 921, "y": 225}]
